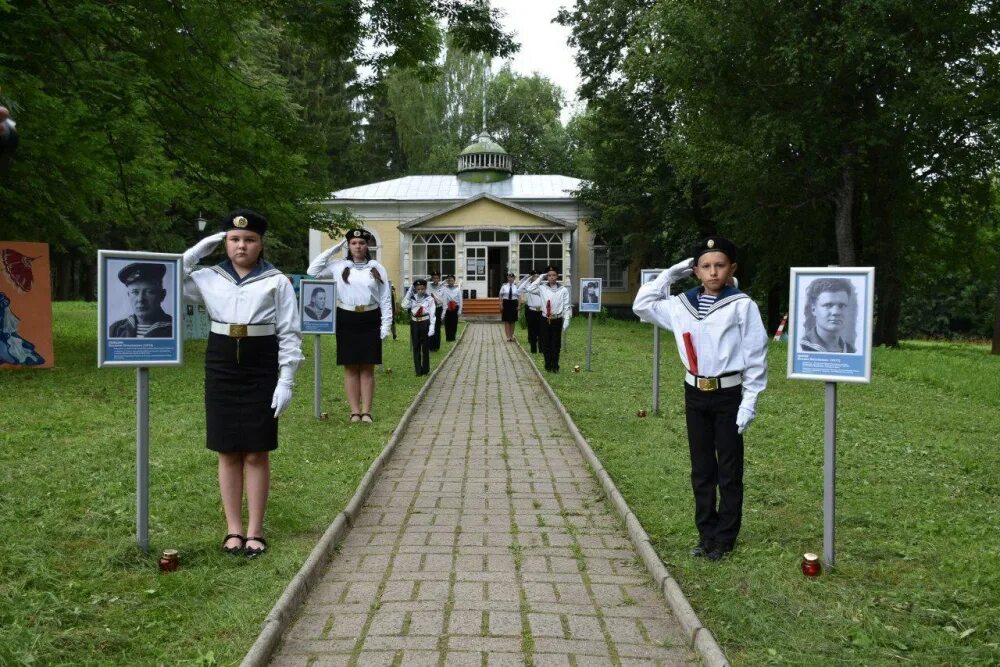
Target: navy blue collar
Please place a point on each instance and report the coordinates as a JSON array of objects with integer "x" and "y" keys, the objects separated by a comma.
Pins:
[{"x": 227, "y": 266}]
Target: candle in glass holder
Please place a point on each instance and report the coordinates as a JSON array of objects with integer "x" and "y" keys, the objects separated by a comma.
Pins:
[
  {"x": 168, "y": 560},
  {"x": 810, "y": 565}
]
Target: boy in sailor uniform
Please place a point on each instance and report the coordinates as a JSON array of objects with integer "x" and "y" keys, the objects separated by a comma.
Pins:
[
  {"x": 451, "y": 297},
  {"x": 722, "y": 343},
  {"x": 532, "y": 311},
  {"x": 556, "y": 311},
  {"x": 423, "y": 321},
  {"x": 250, "y": 362}
]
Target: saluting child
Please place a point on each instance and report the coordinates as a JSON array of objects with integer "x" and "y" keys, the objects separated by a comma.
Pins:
[
  {"x": 723, "y": 345},
  {"x": 423, "y": 320}
]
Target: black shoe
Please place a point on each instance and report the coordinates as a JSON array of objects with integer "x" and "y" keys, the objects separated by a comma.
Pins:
[
  {"x": 719, "y": 551},
  {"x": 252, "y": 552},
  {"x": 233, "y": 551},
  {"x": 701, "y": 549}
]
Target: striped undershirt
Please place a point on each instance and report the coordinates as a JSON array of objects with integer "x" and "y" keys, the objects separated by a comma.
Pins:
[
  {"x": 705, "y": 301},
  {"x": 142, "y": 329}
]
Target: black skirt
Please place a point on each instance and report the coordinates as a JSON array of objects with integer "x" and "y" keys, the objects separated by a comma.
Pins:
[
  {"x": 509, "y": 312},
  {"x": 240, "y": 376},
  {"x": 358, "y": 339}
]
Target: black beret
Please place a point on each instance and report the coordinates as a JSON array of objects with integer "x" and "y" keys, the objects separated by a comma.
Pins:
[
  {"x": 359, "y": 234},
  {"x": 435, "y": 273},
  {"x": 243, "y": 219},
  {"x": 450, "y": 276},
  {"x": 715, "y": 244},
  {"x": 147, "y": 271},
  {"x": 534, "y": 271},
  {"x": 420, "y": 281},
  {"x": 510, "y": 273},
  {"x": 551, "y": 268}
]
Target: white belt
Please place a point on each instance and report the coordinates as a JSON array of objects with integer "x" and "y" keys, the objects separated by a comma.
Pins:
[
  {"x": 422, "y": 318},
  {"x": 711, "y": 384},
  {"x": 357, "y": 309},
  {"x": 242, "y": 330},
  {"x": 537, "y": 310}
]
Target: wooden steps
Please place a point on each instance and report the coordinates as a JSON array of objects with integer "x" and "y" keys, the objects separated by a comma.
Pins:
[{"x": 481, "y": 309}]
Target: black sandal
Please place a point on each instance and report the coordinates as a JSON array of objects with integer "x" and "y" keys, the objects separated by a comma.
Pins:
[
  {"x": 252, "y": 552},
  {"x": 233, "y": 551},
  {"x": 353, "y": 415},
  {"x": 369, "y": 421}
]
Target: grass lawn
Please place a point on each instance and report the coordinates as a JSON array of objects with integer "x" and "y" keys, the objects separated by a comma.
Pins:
[
  {"x": 74, "y": 589},
  {"x": 918, "y": 520}
]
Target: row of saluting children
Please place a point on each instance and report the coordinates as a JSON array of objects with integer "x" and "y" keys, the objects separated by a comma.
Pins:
[{"x": 254, "y": 350}]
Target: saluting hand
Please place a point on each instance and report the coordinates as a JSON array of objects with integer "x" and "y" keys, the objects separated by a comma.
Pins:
[
  {"x": 680, "y": 270},
  {"x": 202, "y": 248}
]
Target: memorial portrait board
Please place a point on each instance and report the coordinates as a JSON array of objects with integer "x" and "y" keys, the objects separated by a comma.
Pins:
[
  {"x": 831, "y": 311},
  {"x": 590, "y": 295},
  {"x": 140, "y": 320},
  {"x": 318, "y": 306}
]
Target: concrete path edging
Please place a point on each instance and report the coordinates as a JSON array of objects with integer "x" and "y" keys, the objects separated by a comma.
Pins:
[
  {"x": 298, "y": 588},
  {"x": 701, "y": 638}
]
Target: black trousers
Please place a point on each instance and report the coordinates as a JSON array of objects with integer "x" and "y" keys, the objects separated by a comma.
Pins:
[
  {"x": 450, "y": 324},
  {"x": 420, "y": 344},
  {"x": 434, "y": 342},
  {"x": 716, "y": 462},
  {"x": 550, "y": 338},
  {"x": 532, "y": 317}
]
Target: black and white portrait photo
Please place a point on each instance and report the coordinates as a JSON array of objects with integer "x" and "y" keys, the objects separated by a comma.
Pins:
[
  {"x": 317, "y": 305},
  {"x": 590, "y": 295},
  {"x": 141, "y": 299},
  {"x": 140, "y": 317},
  {"x": 831, "y": 313}
]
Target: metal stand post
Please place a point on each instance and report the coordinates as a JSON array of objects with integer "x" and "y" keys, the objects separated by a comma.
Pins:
[
  {"x": 656, "y": 370},
  {"x": 829, "y": 473},
  {"x": 590, "y": 336},
  {"x": 142, "y": 458},
  {"x": 317, "y": 376}
]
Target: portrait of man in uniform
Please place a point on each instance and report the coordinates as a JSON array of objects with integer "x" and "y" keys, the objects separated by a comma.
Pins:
[
  {"x": 829, "y": 317},
  {"x": 591, "y": 292},
  {"x": 317, "y": 308},
  {"x": 144, "y": 294}
]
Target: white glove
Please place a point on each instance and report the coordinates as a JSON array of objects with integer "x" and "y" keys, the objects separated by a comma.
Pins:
[
  {"x": 385, "y": 332},
  {"x": 565, "y": 323},
  {"x": 202, "y": 249},
  {"x": 431, "y": 333},
  {"x": 282, "y": 397},
  {"x": 743, "y": 418},
  {"x": 320, "y": 261},
  {"x": 680, "y": 270}
]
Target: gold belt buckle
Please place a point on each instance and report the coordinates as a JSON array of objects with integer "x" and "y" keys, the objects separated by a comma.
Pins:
[
  {"x": 708, "y": 384},
  {"x": 237, "y": 331},
  {"x": 359, "y": 309}
]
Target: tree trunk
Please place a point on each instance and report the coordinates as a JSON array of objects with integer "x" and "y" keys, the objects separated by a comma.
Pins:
[
  {"x": 843, "y": 202},
  {"x": 888, "y": 280},
  {"x": 774, "y": 309},
  {"x": 996, "y": 323}
]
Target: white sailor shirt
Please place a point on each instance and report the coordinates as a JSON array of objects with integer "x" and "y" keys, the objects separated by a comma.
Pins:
[
  {"x": 729, "y": 338},
  {"x": 509, "y": 291},
  {"x": 532, "y": 299},
  {"x": 554, "y": 301},
  {"x": 452, "y": 295},
  {"x": 414, "y": 303},
  {"x": 436, "y": 292},
  {"x": 361, "y": 289},
  {"x": 264, "y": 296}
]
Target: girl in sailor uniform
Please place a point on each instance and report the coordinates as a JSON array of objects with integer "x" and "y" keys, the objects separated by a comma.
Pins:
[
  {"x": 723, "y": 345},
  {"x": 509, "y": 302},
  {"x": 556, "y": 311},
  {"x": 423, "y": 322},
  {"x": 364, "y": 316},
  {"x": 451, "y": 298},
  {"x": 250, "y": 362}
]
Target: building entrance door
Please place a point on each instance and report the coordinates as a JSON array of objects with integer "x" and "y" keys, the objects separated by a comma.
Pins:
[
  {"x": 496, "y": 262},
  {"x": 475, "y": 278}
]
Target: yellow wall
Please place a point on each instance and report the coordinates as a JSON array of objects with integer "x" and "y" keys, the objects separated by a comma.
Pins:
[
  {"x": 484, "y": 213},
  {"x": 585, "y": 269}
]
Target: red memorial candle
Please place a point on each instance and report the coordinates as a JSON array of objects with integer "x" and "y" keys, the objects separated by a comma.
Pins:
[
  {"x": 168, "y": 560},
  {"x": 810, "y": 565}
]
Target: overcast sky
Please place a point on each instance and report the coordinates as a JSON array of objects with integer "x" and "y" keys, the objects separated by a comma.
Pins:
[{"x": 543, "y": 43}]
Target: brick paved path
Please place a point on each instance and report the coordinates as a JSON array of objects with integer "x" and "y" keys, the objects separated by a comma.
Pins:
[{"x": 485, "y": 542}]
